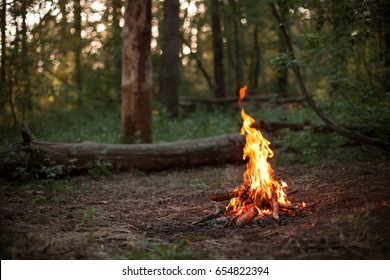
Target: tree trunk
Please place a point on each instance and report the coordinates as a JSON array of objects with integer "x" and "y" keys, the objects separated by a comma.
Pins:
[
  {"x": 64, "y": 24},
  {"x": 117, "y": 45},
  {"x": 38, "y": 155},
  {"x": 219, "y": 73},
  {"x": 3, "y": 52},
  {"x": 136, "y": 74},
  {"x": 282, "y": 74},
  {"x": 237, "y": 50},
  {"x": 385, "y": 10},
  {"x": 169, "y": 74},
  {"x": 26, "y": 102},
  {"x": 77, "y": 48},
  {"x": 256, "y": 59}
]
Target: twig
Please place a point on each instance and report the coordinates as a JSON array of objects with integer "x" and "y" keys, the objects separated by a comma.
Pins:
[{"x": 211, "y": 216}]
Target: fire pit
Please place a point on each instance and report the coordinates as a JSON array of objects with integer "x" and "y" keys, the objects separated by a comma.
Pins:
[{"x": 260, "y": 194}]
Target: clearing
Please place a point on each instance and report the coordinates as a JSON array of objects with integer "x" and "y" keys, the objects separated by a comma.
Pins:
[{"x": 142, "y": 215}]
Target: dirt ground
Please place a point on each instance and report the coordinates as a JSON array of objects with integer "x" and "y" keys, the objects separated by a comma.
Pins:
[{"x": 142, "y": 215}]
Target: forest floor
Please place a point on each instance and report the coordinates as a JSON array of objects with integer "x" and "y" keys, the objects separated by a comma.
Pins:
[{"x": 142, "y": 215}]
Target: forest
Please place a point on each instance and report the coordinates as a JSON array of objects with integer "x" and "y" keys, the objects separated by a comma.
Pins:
[{"x": 122, "y": 137}]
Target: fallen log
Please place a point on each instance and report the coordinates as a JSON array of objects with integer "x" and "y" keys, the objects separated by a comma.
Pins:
[
  {"x": 36, "y": 155},
  {"x": 223, "y": 101}
]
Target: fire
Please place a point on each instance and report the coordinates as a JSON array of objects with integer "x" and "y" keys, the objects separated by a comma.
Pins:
[{"x": 259, "y": 190}]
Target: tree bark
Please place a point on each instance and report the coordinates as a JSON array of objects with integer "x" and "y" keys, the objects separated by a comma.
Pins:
[
  {"x": 385, "y": 10},
  {"x": 219, "y": 73},
  {"x": 77, "y": 48},
  {"x": 3, "y": 48},
  {"x": 256, "y": 59},
  {"x": 169, "y": 74},
  {"x": 137, "y": 74},
  {"x": 26, "y": 102},
  {"x": 237, "y": 47},
  {"x": 78, "y": 157},
  {"x": 282, "y": 74}
]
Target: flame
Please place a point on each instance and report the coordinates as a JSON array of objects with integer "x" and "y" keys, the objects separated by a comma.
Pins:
[{"x": 259, "y": 183}]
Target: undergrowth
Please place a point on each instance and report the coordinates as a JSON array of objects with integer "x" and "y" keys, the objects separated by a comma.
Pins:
[{"x": 101, "y": 124}]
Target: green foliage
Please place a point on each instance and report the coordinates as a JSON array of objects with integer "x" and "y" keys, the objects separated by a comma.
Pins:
[
  {"x": 99, "y": 169},
  {"x": 198, "y": 124},
  {"x": 176, "y": 251},
  {"x": 308, "y": 147},
  {"x": 47, "y": 170}
]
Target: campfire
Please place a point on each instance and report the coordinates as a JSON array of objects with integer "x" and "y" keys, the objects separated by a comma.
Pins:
[{"x": 260, "y": 194}]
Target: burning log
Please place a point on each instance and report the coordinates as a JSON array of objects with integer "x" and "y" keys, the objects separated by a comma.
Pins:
[
  {"x": 288, "y": 206},
  {"x": 275, "y": 206},
  {"x": 224, "y": 196},
  {"x": 248, "y": 215},
  {"x": 229, "y": 195}
]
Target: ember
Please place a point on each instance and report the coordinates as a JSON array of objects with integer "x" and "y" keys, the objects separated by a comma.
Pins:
[{"x": 259, "y": 194}]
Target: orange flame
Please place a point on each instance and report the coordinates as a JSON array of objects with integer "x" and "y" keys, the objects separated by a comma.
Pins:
[{"x": 259, "y": 183}]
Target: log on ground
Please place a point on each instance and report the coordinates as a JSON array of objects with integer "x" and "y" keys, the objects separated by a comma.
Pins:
[{"x": 85, "y": 155}]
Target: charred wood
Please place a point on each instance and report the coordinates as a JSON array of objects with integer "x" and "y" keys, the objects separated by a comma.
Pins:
[{"x": 247, "y": 216}]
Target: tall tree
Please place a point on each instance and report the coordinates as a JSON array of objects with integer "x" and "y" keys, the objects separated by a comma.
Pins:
[
  {"x": 237, "y": 47},
  {"x": 64, "y": 25},
  {"x": 137, "y": 72},
  {"x": 117, "y": 40},
  {"x": 170, "y": 67},
  {"x": 256, "y": 59},
  {"x": 26, "y": 103},
  {"x": 77, "y": 47},
  {"x": 385, "y": 17},
  {"x": 219, "y": 73},
  {"x": 3, "y": 49},
  {"x": 282, "y": 73}
]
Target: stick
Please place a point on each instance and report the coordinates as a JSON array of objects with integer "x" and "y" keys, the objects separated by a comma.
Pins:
[
  {"x": 275, "y": 206},
  {"x": 288, "y": 206},
  {"x": 224, "y": 196},
  {"x": 291, "y": 192},
  {"x": 211, "y": 216},
  {"x": 247, "y": 216}
]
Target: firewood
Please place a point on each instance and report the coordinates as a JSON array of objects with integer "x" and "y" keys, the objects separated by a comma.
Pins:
[
  {"x": 229, "y": 195},
  {"x": 275, "y": 206},
  {"x": 224, "y": 196},
  {"x": 245, "y": 218}
]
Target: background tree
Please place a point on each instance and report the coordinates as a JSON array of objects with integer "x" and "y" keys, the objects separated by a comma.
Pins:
[
  {"x": 77, "y": 47},
  {"x": 136, "y": 75},
  {"x": 219, "y": 72},
  {"x": 3, "y": 27},
  {"x": 170, "y": 65}
]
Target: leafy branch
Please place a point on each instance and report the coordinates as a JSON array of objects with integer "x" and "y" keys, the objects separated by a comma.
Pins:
[{"x": 309, "y": 99}]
